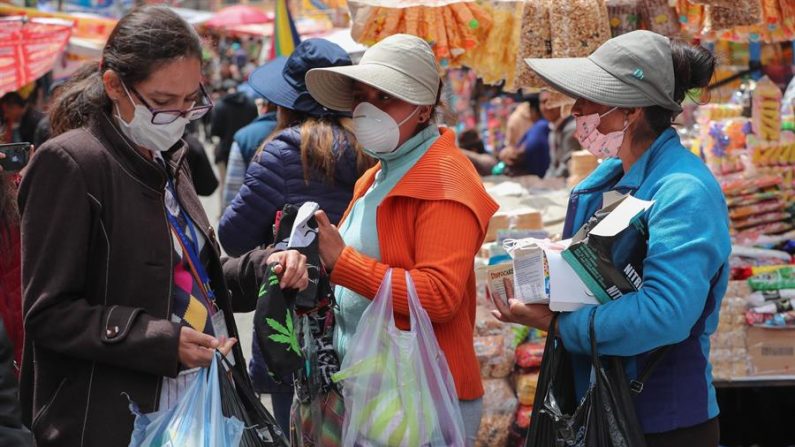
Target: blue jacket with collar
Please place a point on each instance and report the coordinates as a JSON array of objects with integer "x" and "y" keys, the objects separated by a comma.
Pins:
[
  {"x": 683, "y": 284},
  {"x": 275, "y": 178},
  {"x": 250, "y": 137}
]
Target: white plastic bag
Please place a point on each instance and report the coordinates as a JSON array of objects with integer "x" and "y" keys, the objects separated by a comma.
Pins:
[
  {"x": 196, "y": 421},
  {"x": 397, "y": 387}
]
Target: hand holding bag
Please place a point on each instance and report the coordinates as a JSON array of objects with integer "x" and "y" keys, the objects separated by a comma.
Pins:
[
  {"x": 196, "y": 421},
  {"x": 606, "y": 415},
  {"x": 397, "y": 387}
]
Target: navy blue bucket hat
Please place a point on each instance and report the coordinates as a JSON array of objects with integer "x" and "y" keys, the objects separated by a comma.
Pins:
[{"x": 282, "y": 81}]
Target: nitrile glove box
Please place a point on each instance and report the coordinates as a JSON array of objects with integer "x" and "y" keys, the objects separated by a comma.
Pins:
[{"x": 608, "y": 252}]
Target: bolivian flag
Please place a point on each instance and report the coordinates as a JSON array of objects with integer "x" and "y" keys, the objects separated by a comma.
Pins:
[{"x": 285, "y": 35}]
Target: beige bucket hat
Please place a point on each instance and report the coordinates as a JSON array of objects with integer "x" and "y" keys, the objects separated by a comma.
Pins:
[{"x": 401, "y": 65}]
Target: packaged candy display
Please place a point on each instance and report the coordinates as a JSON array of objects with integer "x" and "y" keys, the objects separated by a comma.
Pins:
[
  {"x": 761, "y": 298},
  {"x": 724, "y": 143},
  {"x": 691, "y": 17},
  {"x": 528, "y": 355},
  {"x": 579, "y": 27},
  {"x": 535, "y": 41},
  {"x": 523, "y": 415},
  {"x": 659, "y": 16},
  {"x": 781, "y": 319},
  {"x": 452, "y": 29},
  {"x": 485, "y": 323},
  {"x": 773, "y": 307},
  {"x": 526, "y": 387},
  {"x": 760, "y": 219},
  {"x": 773, "y": 154},
  {"x": 728, "y": 353},
  {"x": 495, "y": 60},
  {"x": 757, "y": 206},
  {"x": 767, "y": 110},
  {"x": 741, "y": 13},
  {"x": 716, "y": 112},
  {"x": 723, "y": 3},
  {"x": 499, "y": 407},
  {"x": 520, "y": 426},
  {"x": 489, "y": 347},
  {"x": 741, "y": 212},
  {"x": 624, "y": 16},
  {"x": 783, "y": 278},
  {"x": 496, "y": 359},
  {"x": 776, "y": 25}
]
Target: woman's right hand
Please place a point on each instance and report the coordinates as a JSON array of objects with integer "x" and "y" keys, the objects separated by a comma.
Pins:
[{"x": 197, "y": 349}]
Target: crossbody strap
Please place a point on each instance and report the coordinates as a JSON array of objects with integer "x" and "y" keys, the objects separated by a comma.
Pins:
[{"x": 636, "y": 386}]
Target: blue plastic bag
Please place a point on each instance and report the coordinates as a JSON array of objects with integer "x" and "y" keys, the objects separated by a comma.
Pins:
[{"x": 196, "y": 421}]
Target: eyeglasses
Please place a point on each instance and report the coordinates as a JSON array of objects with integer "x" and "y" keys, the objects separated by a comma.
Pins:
[{"x": 168, "y": 116}]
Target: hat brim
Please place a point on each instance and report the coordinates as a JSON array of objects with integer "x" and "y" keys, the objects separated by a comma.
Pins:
[
  {"x": 268, "y": 80},
  {"x": 333, "y": 87},
  {"x": 582, "y": 78}
]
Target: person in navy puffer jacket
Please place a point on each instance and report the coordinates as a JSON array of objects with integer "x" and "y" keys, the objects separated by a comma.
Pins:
[{"x": 313, "y": 156}]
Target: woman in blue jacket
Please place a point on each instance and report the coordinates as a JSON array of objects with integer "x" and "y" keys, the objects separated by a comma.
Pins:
[
  {"x": 628, "y": 93},
  {"x": 312, "y": 157}
]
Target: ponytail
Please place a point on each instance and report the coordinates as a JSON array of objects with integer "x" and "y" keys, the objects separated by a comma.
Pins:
[{"x": 82, "y": 97}]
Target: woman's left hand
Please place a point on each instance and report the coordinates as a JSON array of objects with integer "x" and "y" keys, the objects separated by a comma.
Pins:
[
  {"x": 533, "y": 315},
  {"x": 331, "y": 242}
]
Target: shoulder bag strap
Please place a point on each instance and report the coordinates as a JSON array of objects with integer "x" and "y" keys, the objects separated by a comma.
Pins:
[{"x": 636, "y": 386}]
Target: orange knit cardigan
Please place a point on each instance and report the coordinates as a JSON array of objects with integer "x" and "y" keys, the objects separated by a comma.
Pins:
[{"x": 431, "y": 224}]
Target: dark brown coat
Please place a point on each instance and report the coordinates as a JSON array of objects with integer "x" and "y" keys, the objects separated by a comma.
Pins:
[{"x": 97, "y": 285}]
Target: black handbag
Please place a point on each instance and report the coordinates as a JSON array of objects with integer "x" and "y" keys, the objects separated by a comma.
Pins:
[
  {"x": 606, "y": 415},
  {"x": 239, "y": 400}
]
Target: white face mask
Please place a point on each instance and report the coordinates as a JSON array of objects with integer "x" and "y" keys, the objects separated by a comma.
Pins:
[
  {"x": 141, "y": 130},
  {"x": 375, "y": 130}
]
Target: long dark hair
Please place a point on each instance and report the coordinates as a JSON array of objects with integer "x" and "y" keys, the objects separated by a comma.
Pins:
[
  {"x": 9, "y": 214},
  {"x": 143, "y": 40},
  {"x": 318, "y": 137},
  {"x": 694, "y": 67}
]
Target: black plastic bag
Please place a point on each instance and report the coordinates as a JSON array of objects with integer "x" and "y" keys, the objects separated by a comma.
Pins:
[
  {"x": 612, "y": 421},
  {"x": 554, "y": 393},
  {"x": 239, "y": 400},
  {"x": 604, "y": 418}
]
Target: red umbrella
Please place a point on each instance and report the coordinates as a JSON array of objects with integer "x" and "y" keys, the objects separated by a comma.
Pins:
[
  {"x": 239, "y": 15},
  {"x": 29, "y": 49}
]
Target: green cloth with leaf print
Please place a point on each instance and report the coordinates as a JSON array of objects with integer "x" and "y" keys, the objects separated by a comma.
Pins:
[{"x": 275, "y": 330}]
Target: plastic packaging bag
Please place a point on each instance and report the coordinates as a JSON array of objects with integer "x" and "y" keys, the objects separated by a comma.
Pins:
[
  {"x": 606, "y": 416},
  {"x": 397, "y": 387},
  {"x": 499, "y": 407},
  {"x": 554, "y": 391},
  {"x": 197, "y": 421},
  {"x": 239, "y": 400}
]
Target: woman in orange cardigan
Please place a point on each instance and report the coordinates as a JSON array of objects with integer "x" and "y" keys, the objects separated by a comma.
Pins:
[{"x": 422, "y": 209}]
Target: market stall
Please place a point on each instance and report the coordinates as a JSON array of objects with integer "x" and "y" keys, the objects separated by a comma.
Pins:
[
  {"x": 29, "y": 48},
  {"x": 743, "y": 129}
]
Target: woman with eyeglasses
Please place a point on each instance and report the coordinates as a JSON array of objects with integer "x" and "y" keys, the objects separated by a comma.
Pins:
[{"x": 124, "y": 290}]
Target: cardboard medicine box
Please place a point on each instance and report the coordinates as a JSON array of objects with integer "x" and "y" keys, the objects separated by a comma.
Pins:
[{"x": 771, "y": 351}]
